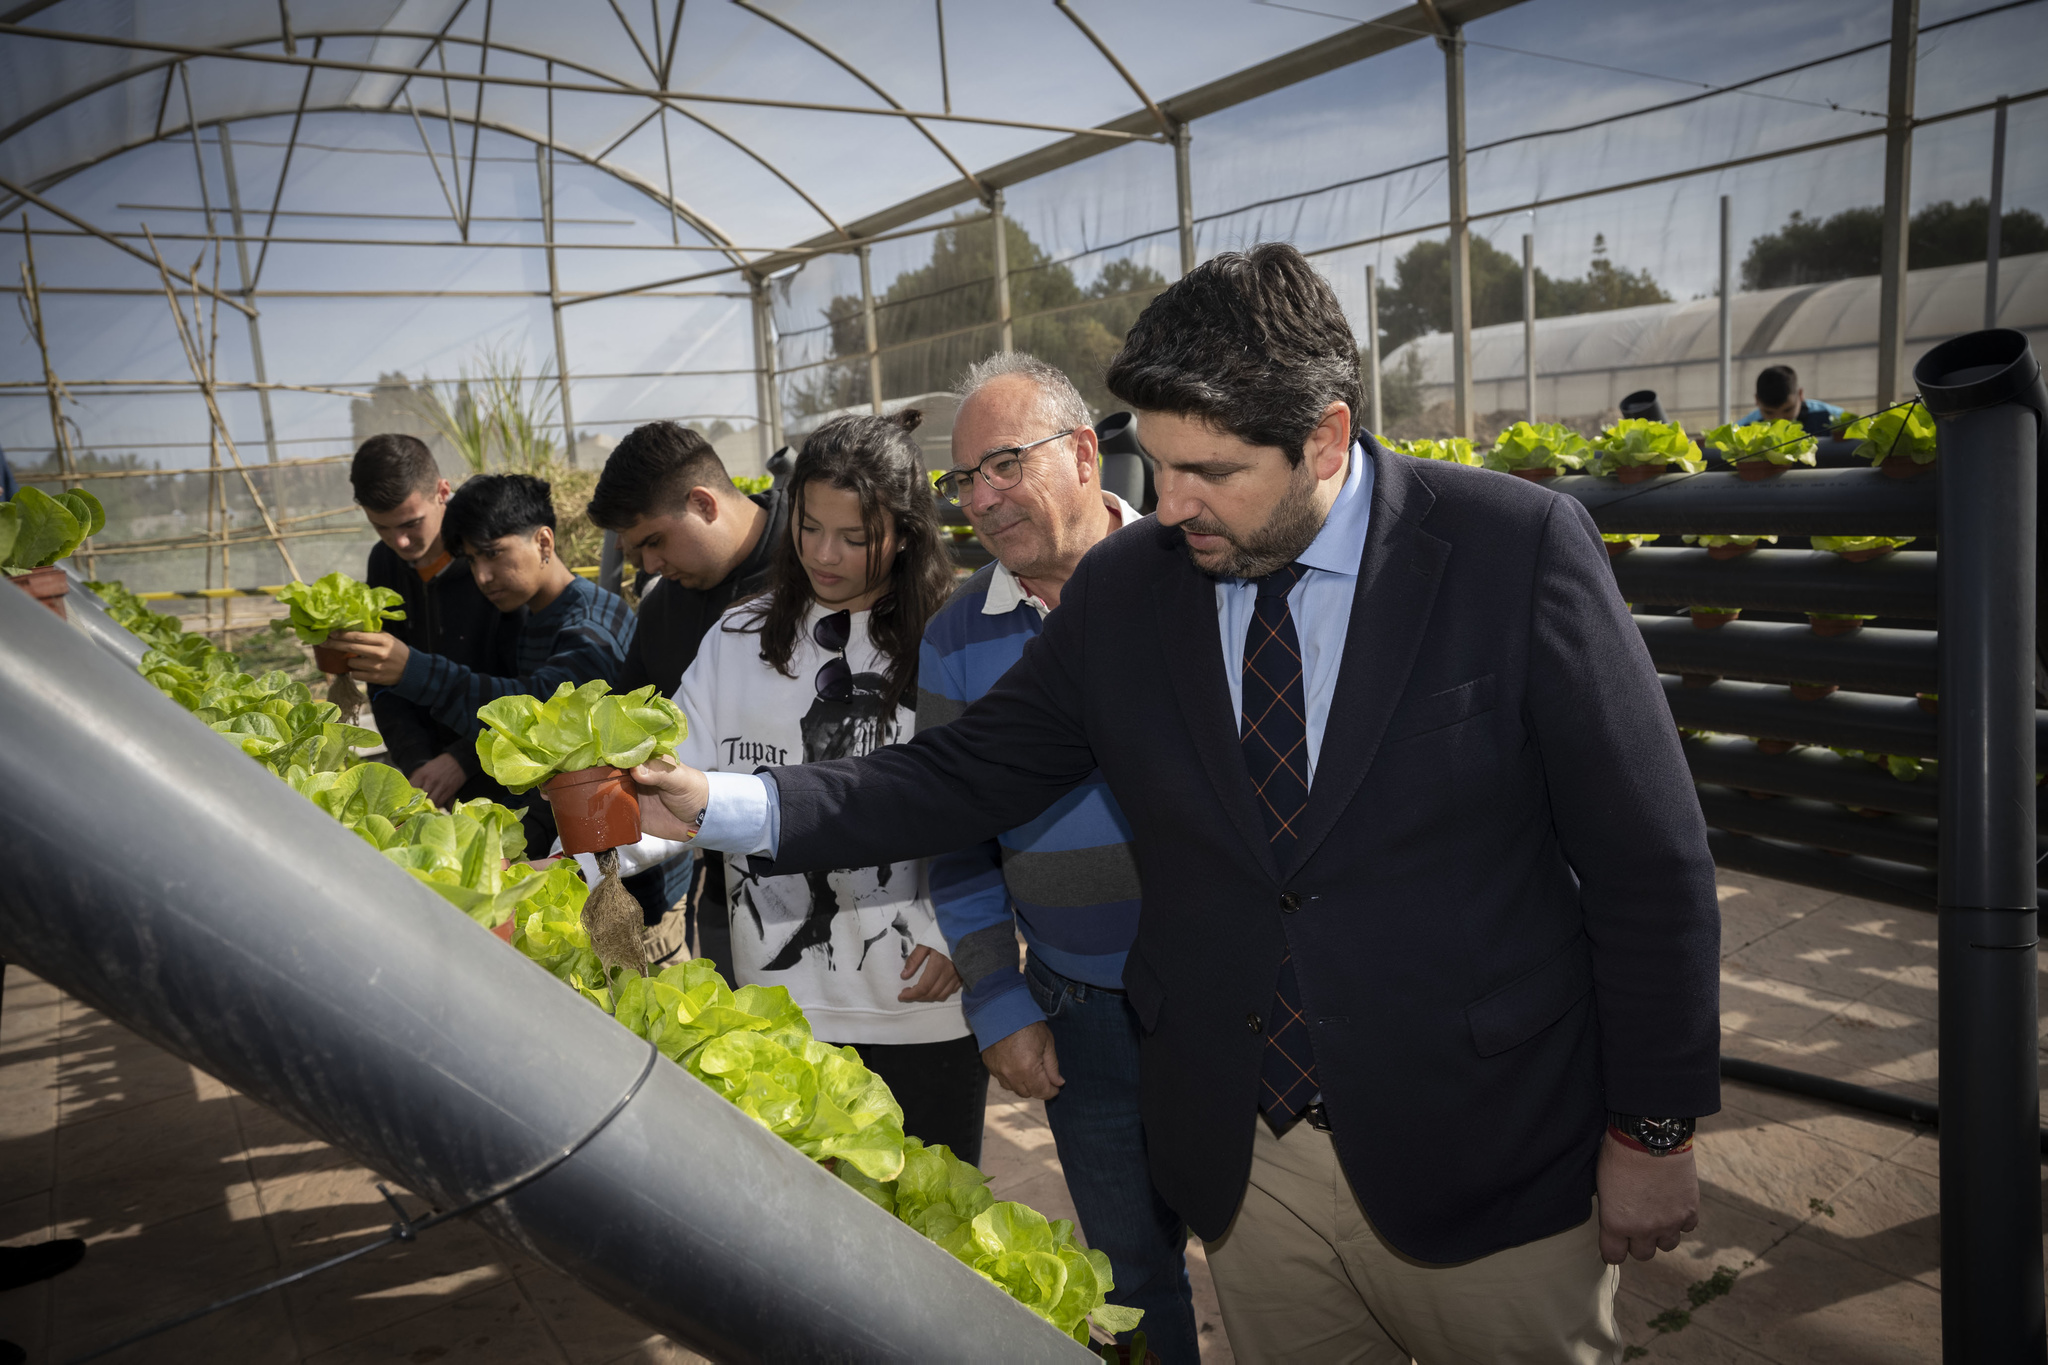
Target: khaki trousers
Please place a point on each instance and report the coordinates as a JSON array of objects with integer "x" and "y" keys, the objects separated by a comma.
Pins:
[{"x": 1304, "y": 1278}]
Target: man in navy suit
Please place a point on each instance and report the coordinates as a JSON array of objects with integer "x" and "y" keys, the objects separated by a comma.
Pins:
[{"x": 1427, "y": 959}]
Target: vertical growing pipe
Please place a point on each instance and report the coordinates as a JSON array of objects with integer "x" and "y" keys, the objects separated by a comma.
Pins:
[
  {"x": 1372, "y": 348},
  {"x": 1002, "y": 268},
  {"x": 1994, "y": 218},
  {"x": 761, "y": 368},
  {"x": 1898, "y": 195},
  {"x": 867, "y": 317},
  {"x": 1184, "y": 193},
  {"x": 1461, "y": 232},
  {"x": 1529, "y": 325},
  {"x": 546, "y": 158},
  {"x": 1985, "y": 392},
  {"x": 227, "y": 162},
  {"x": 1727, "y": 341}
]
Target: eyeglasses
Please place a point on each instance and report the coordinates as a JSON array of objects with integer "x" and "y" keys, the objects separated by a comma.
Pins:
[
  {"x": 999, "y": 469},
  {"x": 837, "y": 681}
]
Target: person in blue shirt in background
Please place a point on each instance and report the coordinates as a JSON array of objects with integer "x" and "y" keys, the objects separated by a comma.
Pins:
[
  {"x": 1059, "y": 1028},
  {"x": 1780, "y": 399}
]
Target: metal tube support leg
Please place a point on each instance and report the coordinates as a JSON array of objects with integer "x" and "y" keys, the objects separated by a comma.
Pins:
[{"x": 1984, "y": 390}]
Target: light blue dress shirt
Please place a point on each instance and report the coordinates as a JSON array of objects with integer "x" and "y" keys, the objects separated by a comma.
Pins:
[{"x": 745, "y": 817}]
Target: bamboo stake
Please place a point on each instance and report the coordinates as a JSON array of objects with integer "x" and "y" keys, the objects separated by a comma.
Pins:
[
  {"x": 213, "y": 406},
  {"x": 212, "y": 368},
  {"x": 32, "y": 300}
]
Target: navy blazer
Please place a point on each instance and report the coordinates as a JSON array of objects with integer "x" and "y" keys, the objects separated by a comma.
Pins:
[{"x": 1501, "y": 906}]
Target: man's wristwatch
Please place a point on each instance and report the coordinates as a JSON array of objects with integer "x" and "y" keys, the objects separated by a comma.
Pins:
[{"x": 1658, "y": 1137}]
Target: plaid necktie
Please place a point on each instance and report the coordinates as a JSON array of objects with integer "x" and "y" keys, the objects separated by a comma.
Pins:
[{"x": 1275, "y": 741}]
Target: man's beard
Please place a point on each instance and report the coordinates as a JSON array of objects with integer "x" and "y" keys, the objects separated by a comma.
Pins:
[{"x": 1254, "y": 554}]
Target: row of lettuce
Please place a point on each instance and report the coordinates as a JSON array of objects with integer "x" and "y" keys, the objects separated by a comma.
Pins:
[
  {"x": 1550, "y": 448},
  {"x": 753, "y": 1045}
]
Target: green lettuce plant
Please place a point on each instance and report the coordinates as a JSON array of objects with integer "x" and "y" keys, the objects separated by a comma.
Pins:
[
  {"x": 469, "y": 856},
  {"x": 753, "y": 483},
  {"x": 336, "y": 602},
  {"x": 1454, "y": 450},
  {"x": 1849, "y": 545},
  {"x": 1638, "y": 441},
  {"x": 1779, "y": 442},
  {"x": 526, "y": 741},
  {"x": 1538, "y": 445},
  {"x": 1632, "y": 541},
  {"x": 754, "y": 1047},
  {"x": 37, "y": 530},
  {"x": 1907, "y": 430},
  {"x": 133, "y": 615},
  {"x": 1712, "y": 542},
  {"x": 373, "y": 799}
]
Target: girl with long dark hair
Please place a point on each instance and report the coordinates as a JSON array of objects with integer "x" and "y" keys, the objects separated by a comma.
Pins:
[{"x": 824, "y": 665}]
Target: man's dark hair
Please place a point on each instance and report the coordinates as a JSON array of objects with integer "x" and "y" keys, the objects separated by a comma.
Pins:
[
  {"x": 651, "y": 473},
  {"x": 491, "y": 506},
  {"x": 1776, "y": 386},
  {"x": 389, "y": 469},
  {"x": 1251, "y": 342}
]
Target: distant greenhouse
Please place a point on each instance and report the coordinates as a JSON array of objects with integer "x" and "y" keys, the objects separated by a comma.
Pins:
[{"x": 1587, "y": 362}]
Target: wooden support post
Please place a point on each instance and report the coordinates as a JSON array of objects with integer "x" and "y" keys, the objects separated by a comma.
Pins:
[
  {"x": 60, "y": 432},
  {"x": 867, "y": 317},
  {"x": 1002, "y": 269},
  {"x": 1461, "y": 232}
]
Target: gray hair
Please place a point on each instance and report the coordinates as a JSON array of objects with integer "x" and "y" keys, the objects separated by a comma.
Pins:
[{"x": 1058, "y": 399}]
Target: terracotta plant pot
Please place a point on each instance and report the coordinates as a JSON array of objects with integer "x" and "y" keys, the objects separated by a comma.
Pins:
[
  {"x": 1901, "y": 467},
  {"x": 47, "y": 586},
  {"x": 1729, "y": 551},
  {"x": 331, "y": 660},
  {"x": 1639, "y": 473},
  {"x": 1775, "y": 746},
  {"x": 506, "y": 929},
  {"x": 1713, "y": 620},
  {"x": 1813, "y": 691},
  {"x": 1534, "y": 475},
  {"x": 1618, "y": 547},
  {"x": 1756, "y": 471},
  {"x": 595, "y": 809},
  {"x": 1865, "y": 556},
  {"x": 1823, "y": 625}
]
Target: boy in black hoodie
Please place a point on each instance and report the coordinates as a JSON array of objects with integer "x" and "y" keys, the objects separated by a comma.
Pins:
[{"x": 401, "y": 491}]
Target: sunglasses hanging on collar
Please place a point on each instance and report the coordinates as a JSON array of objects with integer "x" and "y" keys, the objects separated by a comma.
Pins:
[{"x": 837, "y": 681}]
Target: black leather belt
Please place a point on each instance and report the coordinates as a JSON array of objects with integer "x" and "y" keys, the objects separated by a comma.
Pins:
[{"x": 1317, "y": 1117}]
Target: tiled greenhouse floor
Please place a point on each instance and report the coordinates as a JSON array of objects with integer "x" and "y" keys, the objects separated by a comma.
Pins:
[{"x": 1826, "y": 1219}]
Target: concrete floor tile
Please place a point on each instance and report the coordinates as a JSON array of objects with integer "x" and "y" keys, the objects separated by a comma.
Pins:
[
  {"x": 1773, "y": 1171},
  {"x": 1913, "y": 990},
  {"x": 495, "y": 1326},
  {"x": 1864, "y": 1132},
  {"x": 257, "y": 1332},
  {"x": 1732, "y": 1233},
  {"x": 107, "y": 1069},
  {"x": 133, "y": 1277},
  {"x": 1923, "y": 1154},
  {"x": 1809, "y": 1303},
  {"x": 1889, "y": 1216},
  {"x": 1781, "y": 899},
  {"x": 1826, "y": 953},
  {"x": 589, "y": 1330},
  {"x": 1754, "y": 1003},
  {"x": 659, "y": 1351},
  {"x": 1863, "y": 1037},
  {"x": 163, "y": 1132},
  {"x": 1689, "y": 1345}
]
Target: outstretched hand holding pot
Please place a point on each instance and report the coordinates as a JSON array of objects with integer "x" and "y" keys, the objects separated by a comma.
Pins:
[{"x": 672, "y": 798}]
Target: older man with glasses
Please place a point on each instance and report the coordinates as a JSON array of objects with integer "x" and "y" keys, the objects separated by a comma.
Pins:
[{"x": 1059, "y": 1029}]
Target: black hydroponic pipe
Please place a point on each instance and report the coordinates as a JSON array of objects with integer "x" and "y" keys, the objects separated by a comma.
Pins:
[
  {"x": 1894, "y": 662},
  {"x": 1844, "y": 720},
  {"x": 1871, "y": 879},
  {"x": 1985, "y": 393},
  {"x": 245, "y": 931},
  {"x": 1898, "y": 585},
  {"x": 1908, "y": 839},
  {"x": 1801, "y": 502},
  {"x": 1818, "y": 774}
]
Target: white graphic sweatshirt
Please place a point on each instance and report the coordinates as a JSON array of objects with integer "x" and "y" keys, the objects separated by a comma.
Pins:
[{"x": 838, "y": 940}]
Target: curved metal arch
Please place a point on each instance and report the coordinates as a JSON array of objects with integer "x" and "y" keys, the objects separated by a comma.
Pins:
[
  {"x": 696, "y": 220},
  {"x": 704, "y": 226},
  {"x": 980, "y": 190}
]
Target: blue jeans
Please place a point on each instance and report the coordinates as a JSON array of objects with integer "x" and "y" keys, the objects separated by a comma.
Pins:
[{"x": 1101, "y": 1142}]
